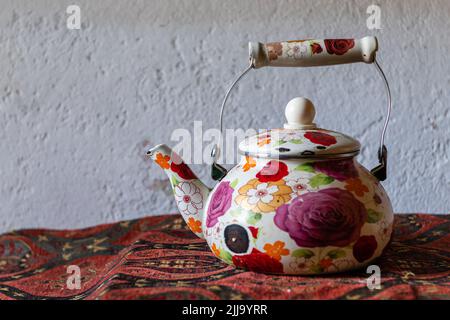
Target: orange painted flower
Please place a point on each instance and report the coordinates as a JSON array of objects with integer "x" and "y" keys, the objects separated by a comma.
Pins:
[
  {"x": 263, "y": 140},
  {"x": 215, "y": 250},
  {"x": 356, "y": 186},
  {"x": 326, "y": 263},
  {"x": 163, "y": 160},
  {"x": 276, "y": 250},
  {"x": 263, "y": 196},
  {"x": 195, "y": 225},
  {"x": 249, "y": 163}
]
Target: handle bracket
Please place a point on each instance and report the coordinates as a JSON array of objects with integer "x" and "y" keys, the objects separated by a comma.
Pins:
[{"x": 380, "y": 171}]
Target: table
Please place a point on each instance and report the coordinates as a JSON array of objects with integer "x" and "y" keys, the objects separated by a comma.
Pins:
[{"x": 158, "y": 258}]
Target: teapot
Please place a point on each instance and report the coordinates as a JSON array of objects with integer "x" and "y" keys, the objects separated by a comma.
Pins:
[{"x": 298, "y": 202}]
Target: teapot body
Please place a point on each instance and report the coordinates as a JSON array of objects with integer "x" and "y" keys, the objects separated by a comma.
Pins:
[{"x": 298, "y": 216}]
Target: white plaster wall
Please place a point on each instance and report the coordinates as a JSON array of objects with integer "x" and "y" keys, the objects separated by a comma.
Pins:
[{"x": 78, "y": 108}]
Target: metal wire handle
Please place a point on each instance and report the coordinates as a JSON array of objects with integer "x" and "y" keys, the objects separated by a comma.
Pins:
[
  {"x": 217, "y": 171},
  {"x": 380, "y": 171}
]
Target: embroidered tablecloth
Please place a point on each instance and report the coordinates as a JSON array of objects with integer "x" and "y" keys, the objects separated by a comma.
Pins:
[{"x": 158, "y": 258}]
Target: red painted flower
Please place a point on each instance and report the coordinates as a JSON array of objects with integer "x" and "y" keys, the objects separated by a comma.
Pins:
[
  {"x": 321, "y": 138},
  {"x": 364, "y": 248},
  {"x": 273, "y": 171},
  {"x": 316, "y": 48},
  {"x": 180, "y": 168},
  {"x": 183, "y": 171},
  {"x": 258, "y": 262},
  {"x": 339, "y": 46},
  {"x": 254, "y": 231},
  {"x": 326, "y": 263}
]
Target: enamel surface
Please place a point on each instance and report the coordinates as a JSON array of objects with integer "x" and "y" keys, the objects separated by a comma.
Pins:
[
  {"x": 297, "y": 143},
  {"x": 273, "y": 250}
]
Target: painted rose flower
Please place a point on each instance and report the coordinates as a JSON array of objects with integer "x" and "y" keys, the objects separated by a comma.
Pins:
[
  {"x": 180, "y": 168},
  {"x": 321, "y": 138},
  {"x": 219, "y": 204},
  {"x": 298, "y": 186},
  {"x": 188, "y": 198},
  {"x": 338, "y": 169},
  {"x": 328, "y": 217},
  {"x": 364, "y": 248},
  {"x": 263, "y": 196},
  {"x": 258, "y": 262},
  {"x": 339, "y": 46},
  {"x": 273, "y": 171},
  {"x": 316, "y": 48}
]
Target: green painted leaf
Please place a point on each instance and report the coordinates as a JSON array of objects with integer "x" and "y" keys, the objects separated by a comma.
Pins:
[
  {"x": 280, "y": 142},
  {"x": 253, "y": 217},
  {"x": 173, "y": 181},
  {"x": 296, "y": 141},
  {"x": 316, "y": 269},
  {"x": 335, "y": 254},
  {"x": 373, "y": 216},
  {"x": 307, "y": 167},
  {"x": 302, "y": 253},
  {"x": 234, "y": 183},
  {"x": 225, "y": 255},
  {"x": 320, "y": 180}
]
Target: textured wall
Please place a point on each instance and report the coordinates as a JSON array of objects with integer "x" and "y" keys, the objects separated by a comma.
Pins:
[{"x": 79, "y": 107}]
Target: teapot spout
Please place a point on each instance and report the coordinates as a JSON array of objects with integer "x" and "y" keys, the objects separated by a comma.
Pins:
[{"x": 189, "y": 192}]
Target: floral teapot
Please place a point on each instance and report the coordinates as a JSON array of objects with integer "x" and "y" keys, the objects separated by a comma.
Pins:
[{"x": 298, "y": 202}]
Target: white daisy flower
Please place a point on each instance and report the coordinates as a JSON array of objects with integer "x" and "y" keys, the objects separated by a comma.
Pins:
[
  {"x": 262, "y": 193},
  {"x": 287, "y": 136},
  {"x": 298, "y": 186},
  {"x": 188, "y": 197},
  {"x": 298, "y": 50}
]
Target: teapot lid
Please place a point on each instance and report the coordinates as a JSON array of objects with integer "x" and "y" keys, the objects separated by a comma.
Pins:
[{"x": 300, "y": 137}]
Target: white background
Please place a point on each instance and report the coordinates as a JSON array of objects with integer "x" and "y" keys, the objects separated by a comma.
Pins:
[{"x": 78, "y": 108}]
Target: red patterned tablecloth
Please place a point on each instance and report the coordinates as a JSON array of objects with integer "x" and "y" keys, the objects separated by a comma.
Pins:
[{"x": 158, "y": 258}]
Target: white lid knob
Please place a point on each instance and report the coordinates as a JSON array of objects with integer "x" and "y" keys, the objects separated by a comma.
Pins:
[{"x": 300, "y": 113}]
